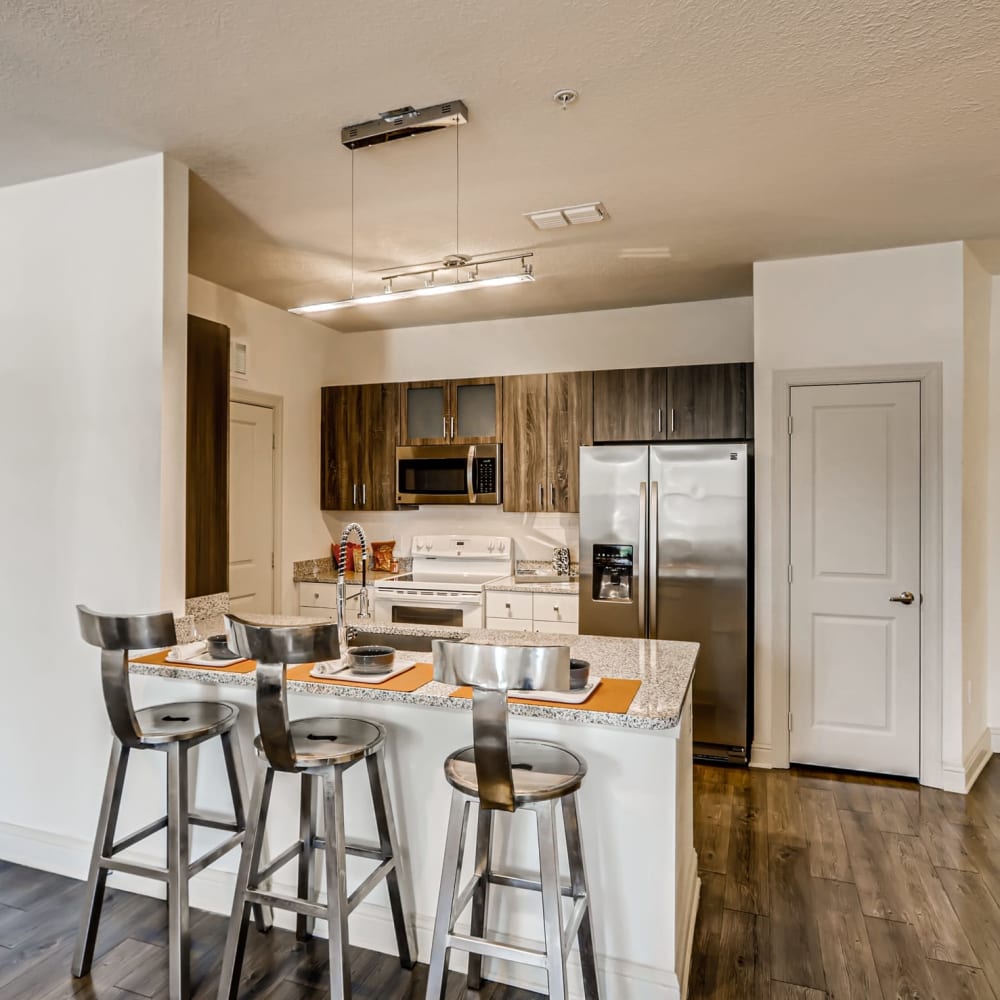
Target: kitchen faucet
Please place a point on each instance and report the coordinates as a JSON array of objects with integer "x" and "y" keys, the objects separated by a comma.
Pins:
[{"x": 362, "y": 595}]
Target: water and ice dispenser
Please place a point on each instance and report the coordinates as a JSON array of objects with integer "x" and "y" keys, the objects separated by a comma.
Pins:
[{"x": 613, "y": 572}]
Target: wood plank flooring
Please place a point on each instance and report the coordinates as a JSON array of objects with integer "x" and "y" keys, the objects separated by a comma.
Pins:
[
  {"x": 815, "y": 886},
  {"x": 818, "y": 885}
]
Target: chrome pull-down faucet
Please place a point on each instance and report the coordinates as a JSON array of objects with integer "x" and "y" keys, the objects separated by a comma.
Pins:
[{"x": 363, "y": 612}]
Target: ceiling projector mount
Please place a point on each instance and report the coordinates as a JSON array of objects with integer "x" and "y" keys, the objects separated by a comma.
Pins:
[{"x": 401, "y": 123}]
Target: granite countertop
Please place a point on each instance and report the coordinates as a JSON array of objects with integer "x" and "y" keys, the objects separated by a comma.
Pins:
[
  {"x": 330, "y": 576},
  {"x": 571, "y": 585},
  {"x": 665, "y": 669}
]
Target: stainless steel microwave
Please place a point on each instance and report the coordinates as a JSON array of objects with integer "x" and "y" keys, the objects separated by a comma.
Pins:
[{"x": 447, "y": 473}]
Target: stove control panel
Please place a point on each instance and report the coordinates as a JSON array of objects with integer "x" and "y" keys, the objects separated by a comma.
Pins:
[{"x": 463, "y": 547}]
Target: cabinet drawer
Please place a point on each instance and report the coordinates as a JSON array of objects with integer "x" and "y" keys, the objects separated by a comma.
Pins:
[
  {"x": 555, "y": 607},
  {"x": 318, "y": 595},
  {"x": 559, "y": 628},
  {"x": 509, "y": 624},
  {"x": 501, "y": 604}
]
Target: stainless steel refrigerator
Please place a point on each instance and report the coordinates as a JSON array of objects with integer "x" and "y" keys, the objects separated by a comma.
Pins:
[{"x": 665, "y": 554}]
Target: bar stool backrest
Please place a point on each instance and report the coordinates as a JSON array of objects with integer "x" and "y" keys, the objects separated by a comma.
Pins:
[
  {"x": 115, "y": 636},
  {"x": 492, "y": 671},
  {"x": 276, "y": 647}
]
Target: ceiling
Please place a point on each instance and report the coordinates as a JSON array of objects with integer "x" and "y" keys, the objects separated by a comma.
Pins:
[{"x": 727, "y": 131}]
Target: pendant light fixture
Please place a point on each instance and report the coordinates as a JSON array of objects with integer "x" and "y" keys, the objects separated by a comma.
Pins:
[{"x": 458, "y": 272}]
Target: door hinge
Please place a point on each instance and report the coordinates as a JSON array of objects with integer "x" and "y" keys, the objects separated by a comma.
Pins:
[
  {"x": 272, "y": 560},
  {"x": 789, "y": 424},
  {"x": 789, "y": 721},
  {"x": 274, "y": 442},
  {"x": 791, "y": 574}
]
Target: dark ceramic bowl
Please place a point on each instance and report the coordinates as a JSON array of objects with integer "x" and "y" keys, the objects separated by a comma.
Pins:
[
  {"x": 218, "y": 648},
  {"x": 579, "y": 674},
  {"x": 371, "y": 659}
]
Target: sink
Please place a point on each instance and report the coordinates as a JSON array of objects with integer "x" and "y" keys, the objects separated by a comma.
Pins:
[
  {"x": 397, "y": 640},
  {"x": 543, "y": 578}
]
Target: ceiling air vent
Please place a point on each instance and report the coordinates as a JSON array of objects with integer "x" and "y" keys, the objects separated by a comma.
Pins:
[{"x": 571, "y": 215}]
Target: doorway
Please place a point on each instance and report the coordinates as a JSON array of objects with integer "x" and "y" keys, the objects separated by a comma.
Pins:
[
  {"x": 253, "y": 505},
  {"x": 854, "y": 590}
]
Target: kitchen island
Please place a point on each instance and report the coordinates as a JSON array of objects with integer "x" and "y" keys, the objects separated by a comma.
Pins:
[{"x": 636, "y": 802}]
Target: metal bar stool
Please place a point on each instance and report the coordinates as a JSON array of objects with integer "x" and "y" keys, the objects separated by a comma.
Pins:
[
  {"x": 319, "y": 750},
  {"x": 507, "y": 775},
  {"x": 174, "y": 728}
]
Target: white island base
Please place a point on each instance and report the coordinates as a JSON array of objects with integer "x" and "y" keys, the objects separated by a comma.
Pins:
[{"x": 637, "y": 824}]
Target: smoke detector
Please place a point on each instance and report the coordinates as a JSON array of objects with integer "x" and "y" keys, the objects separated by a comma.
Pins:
[
  {"x": 571, "y": 215},
  {"x": 401, "y": 123}
]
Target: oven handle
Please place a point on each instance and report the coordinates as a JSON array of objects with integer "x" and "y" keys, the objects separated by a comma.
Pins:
[
  {"x": 468, "y": 473},
  {"x": 441, "y": 602}
]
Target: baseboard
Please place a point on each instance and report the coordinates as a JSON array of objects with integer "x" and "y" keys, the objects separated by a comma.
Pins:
[
  {"x": 763, "y": 755},
  {"x": 371, "y": 925},
  {"x": 689, "y": 892},
  {"x": 995, "y": 739},
  {"x": 961, "y": 777}
]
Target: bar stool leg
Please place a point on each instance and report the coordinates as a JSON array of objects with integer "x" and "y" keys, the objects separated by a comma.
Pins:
[
  {"x": 253, "y": 844},
  {"x": 238, "y": 788},
  {"x": 304, "y": 925},
  {"x": 397, "y": 880},
  {"x": 578, "y": 880},
  {"x": 104, "y": 838},
  {"x": 481, "y": 897},
  {"x": 336, "y": 883},
  {"x": 451, "y": 874},
  {"x": 178, "y": 860},
  {"x": 548, "y": 856}
]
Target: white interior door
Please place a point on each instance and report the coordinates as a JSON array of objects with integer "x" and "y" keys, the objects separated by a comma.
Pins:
[
  {"x": 251, "y": 508},
  {"x": 855, "y": 547}
]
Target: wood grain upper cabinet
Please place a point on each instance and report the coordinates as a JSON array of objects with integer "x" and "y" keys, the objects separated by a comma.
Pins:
[
  {"x": 707, "y": 402},
  {"x": 358, "y": 447},
  {"x": 453, "y": 411},
  {"x": 545, "y": 420},
  {"x": 630, "y": 405}
]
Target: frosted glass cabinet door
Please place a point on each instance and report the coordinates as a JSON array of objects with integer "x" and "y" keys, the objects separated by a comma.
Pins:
[
  {"x": 425, "y": 413},
  {"x": 476, "y": 410}
]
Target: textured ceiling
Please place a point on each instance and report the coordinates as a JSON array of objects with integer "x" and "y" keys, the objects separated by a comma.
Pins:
[{"x": 730, "y": 131}]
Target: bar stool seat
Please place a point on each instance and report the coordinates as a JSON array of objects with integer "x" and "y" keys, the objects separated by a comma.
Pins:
[
  {"x": 325, "y": 742},
  {"x": 541, "y": 771},
  {"x": 185, "y": 720}
]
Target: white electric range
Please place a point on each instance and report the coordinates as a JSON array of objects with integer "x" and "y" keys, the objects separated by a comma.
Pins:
[{"x": 446, "y": 582}]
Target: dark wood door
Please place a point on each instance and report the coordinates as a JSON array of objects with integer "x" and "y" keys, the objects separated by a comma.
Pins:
[
  {"x": 341, "y": 447},
  {"x": 570, "y": 422},
  {"x": 525, "y": 475},
  {"x": 630, "y": 405},
  {"x": 380, "y": 416},
  {"x": 707, "y": 402},
  {"x": 207, "y": 491},
  {"x": 475, "y": 407}
]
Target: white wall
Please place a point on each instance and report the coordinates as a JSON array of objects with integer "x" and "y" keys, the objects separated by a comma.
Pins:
[
  {"x": 684, "y": 333},
  {"x": 291, "y": 357},
  {"x": 86, "y": 406},
  {"x": 993, "y": 543},
  {"x": 878, "y": 308}
]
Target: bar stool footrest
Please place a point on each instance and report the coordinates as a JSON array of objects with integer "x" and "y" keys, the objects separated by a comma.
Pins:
[
  {"x": 289, "y": 854},
  {"x": 214, "y": 854},
  {"x": 494, "y": 949},
  {"x": 521, "y": 882},
  {"x": 573, "y": 925}
]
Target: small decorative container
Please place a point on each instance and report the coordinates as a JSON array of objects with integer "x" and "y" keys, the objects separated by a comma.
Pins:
[{"x": 560, "y": 561}]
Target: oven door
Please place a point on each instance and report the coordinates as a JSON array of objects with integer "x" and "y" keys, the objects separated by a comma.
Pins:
[{"x": 416, "y": 608}]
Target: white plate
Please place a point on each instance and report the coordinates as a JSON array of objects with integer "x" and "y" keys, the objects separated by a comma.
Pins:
[
  {"x": 565, "y": 697},
  {"x": 205, "y": 661},
  {"x": 337, "y": 670}
]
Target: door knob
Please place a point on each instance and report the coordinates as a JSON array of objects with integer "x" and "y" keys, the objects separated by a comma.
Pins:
[{"x": 904, "y": 598}]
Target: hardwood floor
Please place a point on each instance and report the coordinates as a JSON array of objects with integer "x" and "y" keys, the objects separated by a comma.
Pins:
[
  {"x": 814, "y": 886},
  {"x": 817, "y": 885}
]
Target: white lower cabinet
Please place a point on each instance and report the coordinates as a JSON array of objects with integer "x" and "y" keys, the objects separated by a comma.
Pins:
[
  {"x": 528, "y": 612},
  {"x": 318, "y": 600}
]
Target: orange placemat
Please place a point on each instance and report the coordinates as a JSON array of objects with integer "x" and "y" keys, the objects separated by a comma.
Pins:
[
  {"x": 613, "y": 695},
  {"x": 160, "y": 660},
  {"x": 419, "y": 675}
]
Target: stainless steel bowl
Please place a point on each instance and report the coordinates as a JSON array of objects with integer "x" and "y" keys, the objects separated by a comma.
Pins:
[
  {"x": 371, "y": 659},
  {"x": 579, "y": 674}
]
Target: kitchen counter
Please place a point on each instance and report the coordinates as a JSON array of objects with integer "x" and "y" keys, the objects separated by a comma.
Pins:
[
  {"x": 665, "y": 669},
  {"x": 571, "y": 585},
  {"x": 636, "y": 803},
  {"x": 330, "y": 576}
]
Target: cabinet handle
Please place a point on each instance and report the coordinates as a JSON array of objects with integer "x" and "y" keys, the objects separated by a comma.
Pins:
[
  {"x": 671, "y": 420},
  {"x": 453, "y": 428},
  {"x": 552, "y": 491},
  {"x": 355, "y": 496},
  {"x": 364, "y": 494},
  {"x": 659, "y": 420},
  {"x": 541, "y": 495},
  {"x": 444, "y": 428}
]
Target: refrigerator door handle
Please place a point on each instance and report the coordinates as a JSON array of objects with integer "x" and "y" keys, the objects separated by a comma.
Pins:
[
  {"x": 654, "y": 554},
  {"x": 641, "y": 571}
]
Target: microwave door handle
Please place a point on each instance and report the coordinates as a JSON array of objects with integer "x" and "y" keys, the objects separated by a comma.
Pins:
[
  {"x": 468, "y": 473},
  {"x": 654, "y": 555},
  {"x": 641, "y": 571}
]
